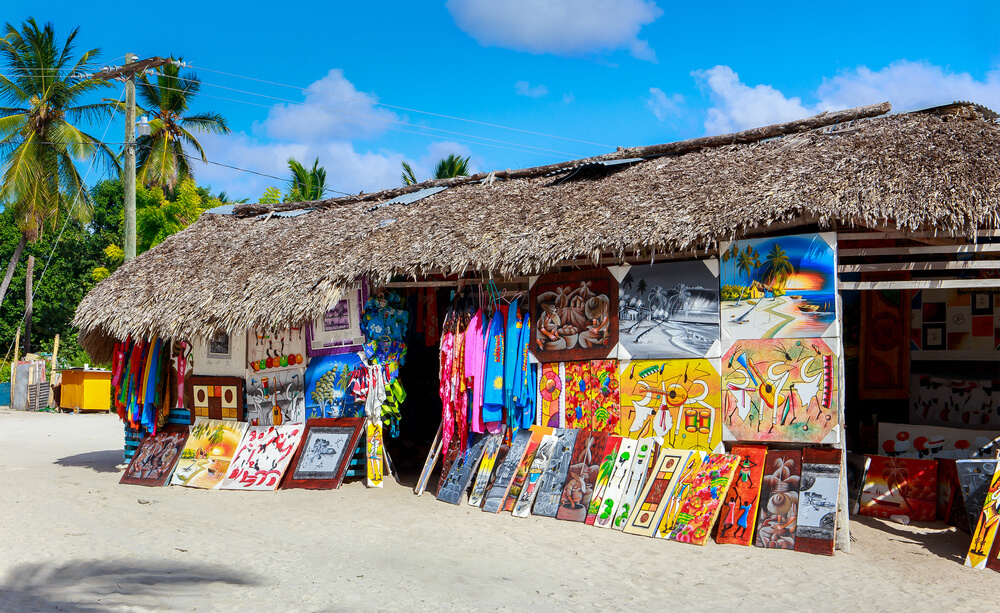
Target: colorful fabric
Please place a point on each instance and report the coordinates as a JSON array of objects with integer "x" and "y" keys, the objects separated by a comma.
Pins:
[
  {"x": 445, "y": 368},
  {"x": 385, "y": 323},
  {"x": 475, "y": 350},
  {"x": 493, "y": 393}
]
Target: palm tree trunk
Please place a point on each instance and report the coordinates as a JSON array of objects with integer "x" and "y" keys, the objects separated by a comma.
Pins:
[
  {"x": 13, "y": 264},
  {"x": 28, "y": 291}
]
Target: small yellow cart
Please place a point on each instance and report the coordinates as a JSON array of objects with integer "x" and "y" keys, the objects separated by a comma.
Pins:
[{"x": 85, "y": 390}]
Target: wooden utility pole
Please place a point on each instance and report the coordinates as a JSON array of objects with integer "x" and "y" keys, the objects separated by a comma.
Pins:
[{"x": 27, "y": 303}]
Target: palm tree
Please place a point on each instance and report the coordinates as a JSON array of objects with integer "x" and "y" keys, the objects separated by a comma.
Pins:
[
  {"x": 409, "y": 177},
  {"x": 161, "y": 158},
  {"x": 447, "y": 168},
  {"x": 777, "y": 268},
  {"x": 39, "y": 144},
  {"x": 306, "y": 185},
  {"x": 731, "y": 253},
  {"x": 747, "y": 262}
]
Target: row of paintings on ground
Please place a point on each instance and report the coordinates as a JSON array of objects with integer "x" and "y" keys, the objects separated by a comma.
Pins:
[{"x": 785, "y": 499}]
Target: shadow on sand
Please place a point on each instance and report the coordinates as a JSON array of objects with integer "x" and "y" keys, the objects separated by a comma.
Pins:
[
  {"x": 93, "y": 585},
  {"x": 945, "y": 541},
  {"x": 98, "y": 461}
]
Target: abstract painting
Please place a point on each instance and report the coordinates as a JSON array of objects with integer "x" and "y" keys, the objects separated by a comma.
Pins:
[
  {"x": 328, "y": 382},
  {"x": 374, "y": 454},
  {"x": 678, "y": 400},
  {"x": 277, "y": 350},
  {"x": 652, "y": 503},
  {"x": 954, "y": 324},
  {"x": 551, "y": 395},
  {"x": 539, "y": 463},
  {"x": 460, "y": 473},
  {"x": 506, "y": 472},
  {"x": 669, "y": 311},
  {"x": 276, "y": 398},
  {"x": 207, "y": 453},
  {"x": 819, "y": 491},
  {"x": 156, "y": 457},
  {"x": 974, "y": 478},
  {"x": 603, "y": 477},
  {"x": 779, "y": 500},
  {"x": 323, "y": 457},
  {"x": 214, "y": 397},
  {"x": 780, "y": 287},
  {"x": 699, "y": 499},
  {"x": 574, "y": 316},
  {"x": 524, "y": 466},
  {"x": 620, "y": 476},
  {"x": 486, "y": 466},
  {"x": 578, "y": 490},
  {"x": 931, "y": 442},
  {"x": 550, "y": 486},
  {"x": 645, "y": 451},
  {"x": 339, "y": 329},
  {"x": 781, "y": 390},
  {"x": 262, "y": 457},
  {"x": 591, "y": 395},
  {"x": 900, "y": 486},
  {"x": 982, "y": 547},
  {"x": 739, "y": 512}
]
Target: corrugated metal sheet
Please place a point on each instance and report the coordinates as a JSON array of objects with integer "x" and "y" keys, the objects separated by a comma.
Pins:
[
  {"x": 228, "y": 209},
  {"x": 410, "y": 198}
]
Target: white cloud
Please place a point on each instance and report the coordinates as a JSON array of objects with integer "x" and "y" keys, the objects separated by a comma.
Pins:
[
  {"x": 523, "y": 88},
  {"x": 559, "y": 27},
  {"x": 662, "y": 105},
  {"x": 738, "y": 106},
  {"x": 569, "y": 98}
]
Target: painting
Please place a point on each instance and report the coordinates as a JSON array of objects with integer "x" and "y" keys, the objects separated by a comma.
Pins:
[
  {"x": 983, "y": 537},
  {"x": 699, "y": 499},
  {"x": 374, "y": 454},
  {"x": 608, "y": 462},
  {"x": 857, "y": 468},
  {"x": 328, "y": 387},
  {"x": 781, "y": 390},
  {"x": 539, "y": 463},
  {"x": 779, "y": 499},
  {"x": 652, "y": 503},
  {"x": 460, "y": 473},
  {"x": 207, "y": 453},
  {"x": 591, "y": 399},
  {"x": 324, "y": 455},
  {"x": 486, "y": 466},
  {"x": 739, "y": 512},
  {"x": 551, "y": 395},
  {"x": 670, "y": 311},
  {"x": 954, "y": 324},
  {"x": 575, "y": 316},
  {"x": 900, "y": 486},
  {"x": 931, "y": 442},
  {"x": 884, "y": 344},
  {"x": 524, "y": 467},
  {"x": 620, "y": 476},
  {"x": 955, "y": 394},
  {"x": 780, "y": 287},
  {"x": 819, "y": 491},
  {"x": 581, "y": 478},
  {"x": 550, "y": 485},
  {"x": 156, "y": 457},
  {"x": 276, "y": 398},
  {"x": 262, "y": 457},
  {"x": 645, "y": 451},
  {"x": 339, "y": 329},
  {"x": 222, "y": 355},
  {"x": 974, "y": 478},
  {"x": 271, "y": 351},
  {"x": 506, "y": 472},
  {"x": 214, "y": 397},
  {"x": 678, "y": 400}
]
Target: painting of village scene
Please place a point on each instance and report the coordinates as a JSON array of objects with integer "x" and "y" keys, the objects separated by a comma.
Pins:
[
  {"x": 781, "y": 287},
  {"x": 669, "y": 311},
  {"x": 575, "y": 316}
]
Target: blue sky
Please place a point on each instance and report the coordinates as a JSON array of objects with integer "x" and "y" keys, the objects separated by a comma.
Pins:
[{"x": 608, "y": 72}]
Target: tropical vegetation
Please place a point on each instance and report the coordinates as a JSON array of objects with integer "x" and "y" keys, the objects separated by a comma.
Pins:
[
  {"x": 446, "y": 168},
  {"x": 306, "y": 184}
]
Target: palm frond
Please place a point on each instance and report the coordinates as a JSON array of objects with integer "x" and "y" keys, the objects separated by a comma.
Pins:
[{"x": 214, "y": 123}]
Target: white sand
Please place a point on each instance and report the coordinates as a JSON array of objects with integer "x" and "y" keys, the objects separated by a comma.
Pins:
[{"x": 72, "y": 539}]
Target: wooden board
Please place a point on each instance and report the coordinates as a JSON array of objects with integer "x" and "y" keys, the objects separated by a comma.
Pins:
[
  {"x": 263, "y": 456},
  {"x": 603, "y": 477},
  {"x": 490, "y": 452},
  {"x": 551, "y": 483},
  {"x": 739, "y": 512},
  {"x": 779, "y": 500},
  {"x": 900, "y": 486},
  {"x": 619, "y": 480},
  {"x": 819, "y": 494},
  {"x": 497, "y": 494},
  {"x": 432, "y": 457},
  {"x": 699, "y": 499},
  {"x": 461, "y": 472},
  {"x": 667, "y": 469},
  {"x": 974, "y": 479},
  {"x": 324, "y": 455},
  {"x": 588, "y": 454},
  {"x": 644, "y": 453},
  {"x": 156, "y": 457},
  {"x": 543, "y": 454},
  {"x": 574, "y": 315},
  {"x": 521, "y": 474},
  {"x": 672, "y": 505},
  {"x": 374, "y": 447},
  {"x": 983, "y": 547}
]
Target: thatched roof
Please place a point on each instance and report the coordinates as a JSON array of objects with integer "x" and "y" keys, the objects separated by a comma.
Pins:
[{"x": 912, "y": 171}]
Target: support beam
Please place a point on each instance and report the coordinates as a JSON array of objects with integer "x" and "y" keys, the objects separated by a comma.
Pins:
[
  {"x": 910, "y": 266},
  {"x": 919, "y": 284},
  {"x": 879, "y": 251}
]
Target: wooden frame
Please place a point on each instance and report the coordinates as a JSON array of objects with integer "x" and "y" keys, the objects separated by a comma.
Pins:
[
  {"x": 180, "y": 436},
  {"x": 349, "y": 340},
  {"x": 324, "y": 480},
  {"x": 201, "y": 392}
]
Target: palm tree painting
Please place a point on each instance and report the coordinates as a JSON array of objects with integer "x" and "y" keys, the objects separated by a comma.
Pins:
[
  {"x": 777, "y": 268},
  {"x": 747, "y": 263}
]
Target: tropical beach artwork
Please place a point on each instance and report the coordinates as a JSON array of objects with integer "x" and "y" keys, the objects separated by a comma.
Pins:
[
  {"x": 670, "y": 310},
  {"x": 779, "y": 287},
  {"x": 327, "y": 387},
  {"x": 208, "y": 452}
]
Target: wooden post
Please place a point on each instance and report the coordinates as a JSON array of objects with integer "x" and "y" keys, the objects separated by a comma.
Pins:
[
  {"x": 128, "y": 174},
  {"x": 55, "y": 352},
  {"x": 27, "y": 303},
  {"x": 13, "y": 364}
]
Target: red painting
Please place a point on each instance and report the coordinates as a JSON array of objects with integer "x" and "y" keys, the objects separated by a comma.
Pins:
[
  {"x": 588, "y": 454},
  {"x": 592, "y": 400},
  {"x": 900, "y": 486},
  {"x": 575, "y": 316},
  {"x": 739, "y": 512}
]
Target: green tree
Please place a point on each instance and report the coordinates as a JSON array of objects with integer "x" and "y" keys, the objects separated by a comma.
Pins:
[
  {"x": 409, "y": 177},
  {"x": 162, "y": 158},
  {"x": 271, "y": 195},
  {"x": 41, "y": 95},
  {"x": 747, "y": 263},
  {"x": 777, "y": 269},
  {"x": 446, "y": 168},
  {"x": 306, "y": 184},
  {"x": 158, "y": 216}
]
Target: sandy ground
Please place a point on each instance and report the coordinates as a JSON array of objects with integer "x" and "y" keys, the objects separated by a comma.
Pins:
[{"x": 72, "y": 539}]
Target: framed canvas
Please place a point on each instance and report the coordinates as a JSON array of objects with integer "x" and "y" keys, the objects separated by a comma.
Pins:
[
  {"x": 276, "y": 350},
  {"x": 900, "y": 486},
  {"x": 328, "y": 387},
  {"x": 276, "y": 398},
  {"x": 575, "y": 316},
  {"x": 324, "y": 454},
  {"x": 207, "y": 453},
  {"x": 214, "y": 397},
  {"x": 931, "y": 442},
  {"x": 262, "y": 457},
  {"x": 339, "y": 329},
  {"x": 156, "y": 457},
  {"x": 222, "y": 355}
]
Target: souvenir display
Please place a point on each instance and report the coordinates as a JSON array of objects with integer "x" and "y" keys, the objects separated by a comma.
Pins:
[
  {"x": 740, "y": 509},
  {"x": 578, "y": 490},
  {"x": 699, "y": 499},
  {"x": 262, "y": 457},
  {"x": 207, "y": 453},
  {"x": 328, "y": 392},
  {"x": 215, "y": 397},
  {"x": 659, "y": 489},
  {"x": 339, "y": 329},
  {"x": 272, "y": 351},
  {"x": 816, "y": 525},
  {"x": 900, "y": 486}
]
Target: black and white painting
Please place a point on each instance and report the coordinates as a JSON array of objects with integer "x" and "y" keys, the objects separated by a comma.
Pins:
[
  {"x": 461, "y": 473},
  {"x": 818, "y": 493},
  {"x": 551, "y": 482},
  {"x": 322, "y": 453},
  {"x": 669, "y": 310},
  {"x": 497, "y": 494},
  {"x": 974, "y": 477}
]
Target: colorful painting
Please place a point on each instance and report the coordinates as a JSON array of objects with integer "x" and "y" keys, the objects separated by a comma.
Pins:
[
  {"x": 328, "y": 387},
  {"x": 740, "y": 509},
  {"x": 781, "y": 390},
  {"x": 645, "y": 451},
  {"x": 578, "y": 490},
  {"x": 521, "y": 475},
  {"x": 276, "y": 398},
  {"x": 954, "y": 324},
  {"x": 461, "y": 471},
  {"x": 603, "y": 477},
  {"x": 652, "y": 503},
  {"x": 539, "y": 463},
  {"x": 983, "y": 537},
  {"x": 591, "y": 395},
  {"x": 339, "y": 329},
  {"x": 678, "y": 400},
  {"x": 486, "y": 466},
  {"x": 550, "y": 486},
  {"x": 780, "y": 287},
  {"x": 779, "y": 500},
  {"x": 884, "y": 345},
  {"x": 506, "y": 472},
  {"x": 269, "y": 352},
  {"x": 215, "y": 397},
  {"x": 323, "y": 457},
  {"x": 970, "y": 399},
  {"x": 819, "y": 492},
  {"x": 673, "y": 501},
  {"x": 551, "y": 395},
  {"x": 974, "y": 478},
  {"x": 670, "y": 311},
  {"x": 262, "y": 457},
  {"x": 207, "y": 453},
  {"x": 621, "y": 474},
  {"x": 156, "y": 457},
  {"x": 374, "y": 453},
  {"x": 222, "y": 355},
  {"x": 900, "y": 486},
  {"x": 575, "y": 316},
  {"x": 699, "y": 499},
  {"x": 931, "y": 442}
]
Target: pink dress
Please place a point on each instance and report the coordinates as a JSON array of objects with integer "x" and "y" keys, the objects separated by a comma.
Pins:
[
  {"x": 447, "y": 394},
  {"x": 475, "y": 364}
]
